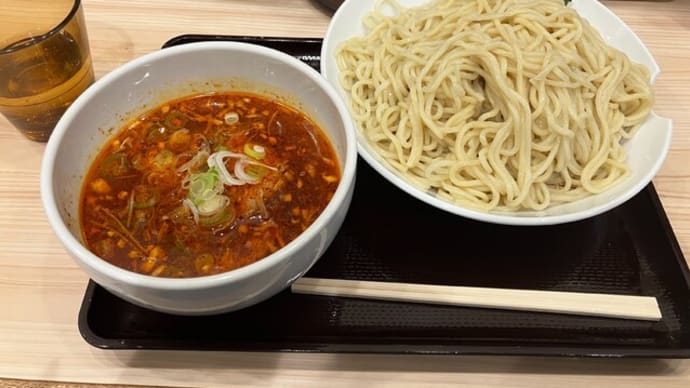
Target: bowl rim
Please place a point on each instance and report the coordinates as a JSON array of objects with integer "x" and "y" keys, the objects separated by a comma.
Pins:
[
  {"x": 94, "y": 263},
  {"x": 528, "y": 218}
]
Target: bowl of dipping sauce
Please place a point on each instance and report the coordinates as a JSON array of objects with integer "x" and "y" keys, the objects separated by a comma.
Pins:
[{"x": 201, "y": 178}]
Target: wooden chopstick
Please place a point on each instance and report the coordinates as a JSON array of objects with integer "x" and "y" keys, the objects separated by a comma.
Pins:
[{"x": 575, "y": 303}]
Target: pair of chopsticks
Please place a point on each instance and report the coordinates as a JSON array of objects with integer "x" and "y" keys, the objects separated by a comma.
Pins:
[{"x": 574, "y": 303}]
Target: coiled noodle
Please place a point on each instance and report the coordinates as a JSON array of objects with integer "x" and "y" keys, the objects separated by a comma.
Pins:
[{"x": 496, "y": 105}]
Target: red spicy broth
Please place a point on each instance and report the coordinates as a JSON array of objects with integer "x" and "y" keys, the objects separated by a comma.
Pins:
[{"x": 206, "y": 184}]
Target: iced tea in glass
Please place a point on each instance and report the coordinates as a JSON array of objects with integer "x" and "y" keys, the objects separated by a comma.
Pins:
[{"x": 45, "y": 62}]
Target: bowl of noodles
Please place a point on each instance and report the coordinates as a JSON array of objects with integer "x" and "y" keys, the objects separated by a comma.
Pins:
[{"x": 510, "y": 112}]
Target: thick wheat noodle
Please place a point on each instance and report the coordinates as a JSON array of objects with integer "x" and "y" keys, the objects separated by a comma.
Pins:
[{"x": 495, "y": 105}]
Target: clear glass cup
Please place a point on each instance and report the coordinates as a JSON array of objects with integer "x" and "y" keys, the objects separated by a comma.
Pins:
[{"x": 45, "y": 62}]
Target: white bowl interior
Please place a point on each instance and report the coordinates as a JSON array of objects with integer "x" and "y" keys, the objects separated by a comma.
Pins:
[{"x": 646, "y": 151}]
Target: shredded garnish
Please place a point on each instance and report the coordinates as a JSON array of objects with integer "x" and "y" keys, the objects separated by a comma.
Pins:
[
  {"x": 240, "y": 176},
  {"x": 217, "y": 161},
  {"x": 204, "y": 185},
  {"x": 240, "y": 172},
  {"x": 205, "y": 197}
]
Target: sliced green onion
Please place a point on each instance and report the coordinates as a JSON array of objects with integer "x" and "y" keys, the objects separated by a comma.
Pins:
[
  {"x": 197, "y": 161},
  {"x": 239, "y": 176},
  {"x": 163, "y": 160},
  {"x": 240, "y": 165},
  {"x": 175, "y": 119},
  {"x": 204, "y": 186},
  {"x": 114, "y": 165},
  {"x": 255, "y": 151},
  {"x": 224, "y": 216},
  {"x": 213, "y": 205},
  {"x": 231, "y": 118},
  {"x": 205, "y": 198},
  {"x": 217, "y": 161},
  {"x": 256, "y": 170},
  {"x": 190, "y": 205}
]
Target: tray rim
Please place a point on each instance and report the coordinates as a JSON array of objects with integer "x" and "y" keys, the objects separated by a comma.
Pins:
[
  {"x": 190, "y": 38},
  {"x": 370, "y": 347}
]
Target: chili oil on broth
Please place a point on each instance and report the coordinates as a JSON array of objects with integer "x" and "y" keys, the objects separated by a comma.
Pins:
[{"x": 206, "y": 184}]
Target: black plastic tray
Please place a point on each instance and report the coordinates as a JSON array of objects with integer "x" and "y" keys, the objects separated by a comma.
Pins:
[{"x": 390, "y": 236}]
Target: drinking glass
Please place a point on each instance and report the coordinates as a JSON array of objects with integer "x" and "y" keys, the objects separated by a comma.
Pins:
[{"x": 45, "y": 62}]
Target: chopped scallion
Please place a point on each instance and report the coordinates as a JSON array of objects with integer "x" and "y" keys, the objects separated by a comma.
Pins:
[{"x": 255, "y": 151}]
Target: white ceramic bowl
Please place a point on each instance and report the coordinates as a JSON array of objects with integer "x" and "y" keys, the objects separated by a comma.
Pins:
[
  {"x": 151, "y": 80},
  {"x": 646, "y": 151}
]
